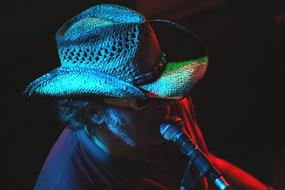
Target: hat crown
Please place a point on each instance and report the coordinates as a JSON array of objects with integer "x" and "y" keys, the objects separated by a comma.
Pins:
[
  {"x": 109, "y": 50},
  {"x": 111, "y": 39}
]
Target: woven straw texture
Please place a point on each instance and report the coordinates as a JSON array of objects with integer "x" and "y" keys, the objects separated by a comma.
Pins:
[{"x": 104, "y": 49}]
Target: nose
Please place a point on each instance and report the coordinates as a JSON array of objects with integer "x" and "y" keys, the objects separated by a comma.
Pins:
[{"x": 160, "y": 103}]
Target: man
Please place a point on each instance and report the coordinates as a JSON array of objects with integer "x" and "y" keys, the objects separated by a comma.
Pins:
[{"x": 118, "y": 81}]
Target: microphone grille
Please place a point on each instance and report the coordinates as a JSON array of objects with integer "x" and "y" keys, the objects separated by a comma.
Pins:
[{"x": 169, "y": 130}]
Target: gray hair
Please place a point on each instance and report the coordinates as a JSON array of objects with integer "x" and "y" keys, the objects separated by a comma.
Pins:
[{"x": 75, "y": 113}]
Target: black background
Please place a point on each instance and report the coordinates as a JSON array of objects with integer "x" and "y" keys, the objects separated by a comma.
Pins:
[{"x": 239, "y": 103}]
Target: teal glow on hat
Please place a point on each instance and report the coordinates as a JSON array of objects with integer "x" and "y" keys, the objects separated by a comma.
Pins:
[{"x": 112, "y": 51}]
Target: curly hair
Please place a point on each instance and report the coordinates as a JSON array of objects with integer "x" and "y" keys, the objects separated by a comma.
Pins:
[{"x": 75, "y": 113}]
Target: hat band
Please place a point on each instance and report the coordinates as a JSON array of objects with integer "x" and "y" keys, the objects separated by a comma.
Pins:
[{"x": 151, "y": 75}]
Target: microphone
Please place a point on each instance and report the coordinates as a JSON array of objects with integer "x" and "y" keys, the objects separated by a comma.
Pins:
[{"x": 171, "y": 131}]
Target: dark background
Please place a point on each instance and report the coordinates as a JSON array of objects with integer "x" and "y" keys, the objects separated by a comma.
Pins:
[{"x": 239, "y": 103}]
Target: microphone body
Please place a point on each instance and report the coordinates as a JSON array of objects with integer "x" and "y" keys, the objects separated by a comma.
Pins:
[{"x": 171, "y": 132}]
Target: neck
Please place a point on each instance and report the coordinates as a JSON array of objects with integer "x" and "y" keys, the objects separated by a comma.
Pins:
[{"x": 114, "y": 146}]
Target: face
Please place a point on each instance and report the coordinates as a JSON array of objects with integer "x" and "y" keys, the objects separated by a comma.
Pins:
[{"x": 136, "y": 128}]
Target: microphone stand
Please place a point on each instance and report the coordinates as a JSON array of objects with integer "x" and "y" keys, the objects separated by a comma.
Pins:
[
  {"x": 171, "y": 131},
  {"x": 205, "y": 168}
]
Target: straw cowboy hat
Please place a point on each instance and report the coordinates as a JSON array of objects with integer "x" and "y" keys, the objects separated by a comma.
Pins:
[{"x": 113, "y": 51}]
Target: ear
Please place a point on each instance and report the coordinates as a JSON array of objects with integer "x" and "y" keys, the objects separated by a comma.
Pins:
[
  {"x": 96, "y": 115},
  {"x": 97, "y": 118}
]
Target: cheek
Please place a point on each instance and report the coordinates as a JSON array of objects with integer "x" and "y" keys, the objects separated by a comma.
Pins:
[
  {"x": 150, "y": 120},
  {"x": 141, "y": 126},
  {"x": 158, "y": 114}
]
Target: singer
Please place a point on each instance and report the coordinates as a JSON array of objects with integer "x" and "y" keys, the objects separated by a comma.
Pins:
[{"x": 117, "y": 82}]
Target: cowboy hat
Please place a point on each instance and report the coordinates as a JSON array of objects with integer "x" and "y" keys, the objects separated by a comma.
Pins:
[{"x": 112, "y": 51}]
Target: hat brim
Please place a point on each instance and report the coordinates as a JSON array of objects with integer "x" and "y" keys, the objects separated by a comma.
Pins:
[
  {"x": 81, "y": 81},
  {"x": 187, "y": 61},
  {"x": 177, "y": 79},
  {"x": 187, "y": 64}
]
